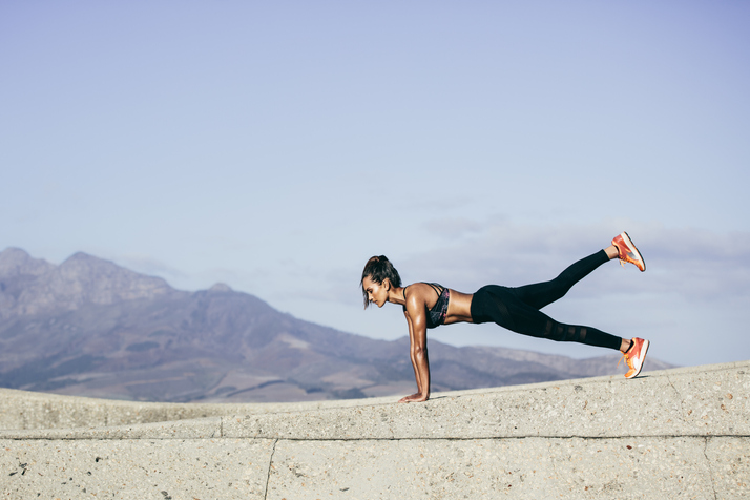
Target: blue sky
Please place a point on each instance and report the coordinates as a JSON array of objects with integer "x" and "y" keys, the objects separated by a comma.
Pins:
[{"x": 275, "y": 147}]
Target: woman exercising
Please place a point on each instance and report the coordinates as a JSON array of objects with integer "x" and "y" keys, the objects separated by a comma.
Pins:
[{"x": 428, "y": 305}]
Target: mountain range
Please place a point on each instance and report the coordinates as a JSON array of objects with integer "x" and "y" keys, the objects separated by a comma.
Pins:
[{"x": 89, "y": 327}]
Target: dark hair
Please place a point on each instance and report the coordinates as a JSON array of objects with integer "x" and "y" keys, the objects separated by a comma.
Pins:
[{"x": 378, "y": 268}]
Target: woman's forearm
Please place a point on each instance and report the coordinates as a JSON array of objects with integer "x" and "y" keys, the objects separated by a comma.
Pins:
[
  {"x": 417, "y": 376},
  {"x": 422, "y": 369}
]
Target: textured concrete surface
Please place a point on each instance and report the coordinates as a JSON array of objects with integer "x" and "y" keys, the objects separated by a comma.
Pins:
[
  {"x": 515, "y": 468},
  {"x": 675, "y": 434},
  {"x": 712, "y": 401},
  {"x": 33, "y": 410},
  {"x": 138, "y": 469}
]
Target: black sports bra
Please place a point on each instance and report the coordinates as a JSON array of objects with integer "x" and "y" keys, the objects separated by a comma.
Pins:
[{"x": 436, "y": 316}]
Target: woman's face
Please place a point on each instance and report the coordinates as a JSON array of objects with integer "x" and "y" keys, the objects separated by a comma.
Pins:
[{"x": 377, "y": 293}]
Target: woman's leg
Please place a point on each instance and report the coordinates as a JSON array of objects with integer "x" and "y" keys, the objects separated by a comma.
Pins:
[
  {"x": 530, "y": 321},
  {"x": 543, "y": 294},
  {"x": 503, "y": 306},
  {"x": 517, "y": 309}
]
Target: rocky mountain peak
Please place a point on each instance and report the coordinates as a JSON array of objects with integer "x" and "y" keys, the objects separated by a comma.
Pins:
[
  {"x": 15, "y": 262},
  {"x": 82, "y": 279},
  {"x": 220, "y": 287}
]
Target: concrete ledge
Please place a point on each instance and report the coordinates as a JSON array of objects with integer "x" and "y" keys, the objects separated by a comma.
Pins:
[
  {"x": 200, "y": 428},
  {"x": 676, "y": 433},
  {"x": 706, "y": 400},
  {"x": 32, "y": 410},
  {"x": 671, "y": 403}
]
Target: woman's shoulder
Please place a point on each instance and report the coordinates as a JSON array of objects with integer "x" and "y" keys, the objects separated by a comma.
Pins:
[
  {"x": 422, "y": 293},
  {"x": 426, "y": 285},
  {"x": 423, "y": 287}
]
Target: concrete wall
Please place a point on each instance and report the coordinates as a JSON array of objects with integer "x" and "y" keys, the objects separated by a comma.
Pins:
[
  {"x": 31, "y": 410},
  {"x": 677, "y": 433}
]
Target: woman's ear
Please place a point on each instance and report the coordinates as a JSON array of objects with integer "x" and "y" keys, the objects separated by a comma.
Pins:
[{"x": 386, "y": 284}]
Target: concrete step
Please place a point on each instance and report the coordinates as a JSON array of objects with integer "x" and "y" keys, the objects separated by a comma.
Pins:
[{"x": 676, "y": 433}]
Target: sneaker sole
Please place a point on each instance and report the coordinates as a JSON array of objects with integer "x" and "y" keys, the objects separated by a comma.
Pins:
[
  {"x": 632, "y": 249},
  {"x": 642, "y": 359}
]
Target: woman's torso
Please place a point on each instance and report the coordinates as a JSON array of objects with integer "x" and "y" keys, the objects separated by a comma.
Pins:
[{"x": 444, "y": 306}]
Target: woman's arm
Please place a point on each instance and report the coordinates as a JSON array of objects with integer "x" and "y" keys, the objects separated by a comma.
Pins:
[
  {"x": 411, "y": 352},
  {"x": 419, "y": 356}
]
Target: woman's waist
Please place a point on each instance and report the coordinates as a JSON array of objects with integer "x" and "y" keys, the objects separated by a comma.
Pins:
[{"x": 459, "y": 307}]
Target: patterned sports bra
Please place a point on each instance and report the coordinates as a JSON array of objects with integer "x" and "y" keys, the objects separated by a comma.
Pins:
[{"x": 436, "y": 316}]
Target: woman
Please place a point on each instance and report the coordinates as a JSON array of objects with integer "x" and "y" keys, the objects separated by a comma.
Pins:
[{"x": 428, "y": 305}]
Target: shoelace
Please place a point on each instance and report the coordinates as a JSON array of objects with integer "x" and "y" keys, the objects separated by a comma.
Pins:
[
  {"x": 619, "y": 254},
  {"x": 626, "y": 358}
]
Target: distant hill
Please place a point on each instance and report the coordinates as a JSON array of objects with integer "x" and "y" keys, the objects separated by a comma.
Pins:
[{"x": 89, "y": 327}]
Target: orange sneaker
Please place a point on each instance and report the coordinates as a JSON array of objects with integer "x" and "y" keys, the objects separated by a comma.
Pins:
[
  {"x": 629, "y": 254},
  {"x": 635, "y": 357}
]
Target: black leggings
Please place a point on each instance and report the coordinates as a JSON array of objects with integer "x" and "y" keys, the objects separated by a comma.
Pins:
[{"x": 517, "y": 309}]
